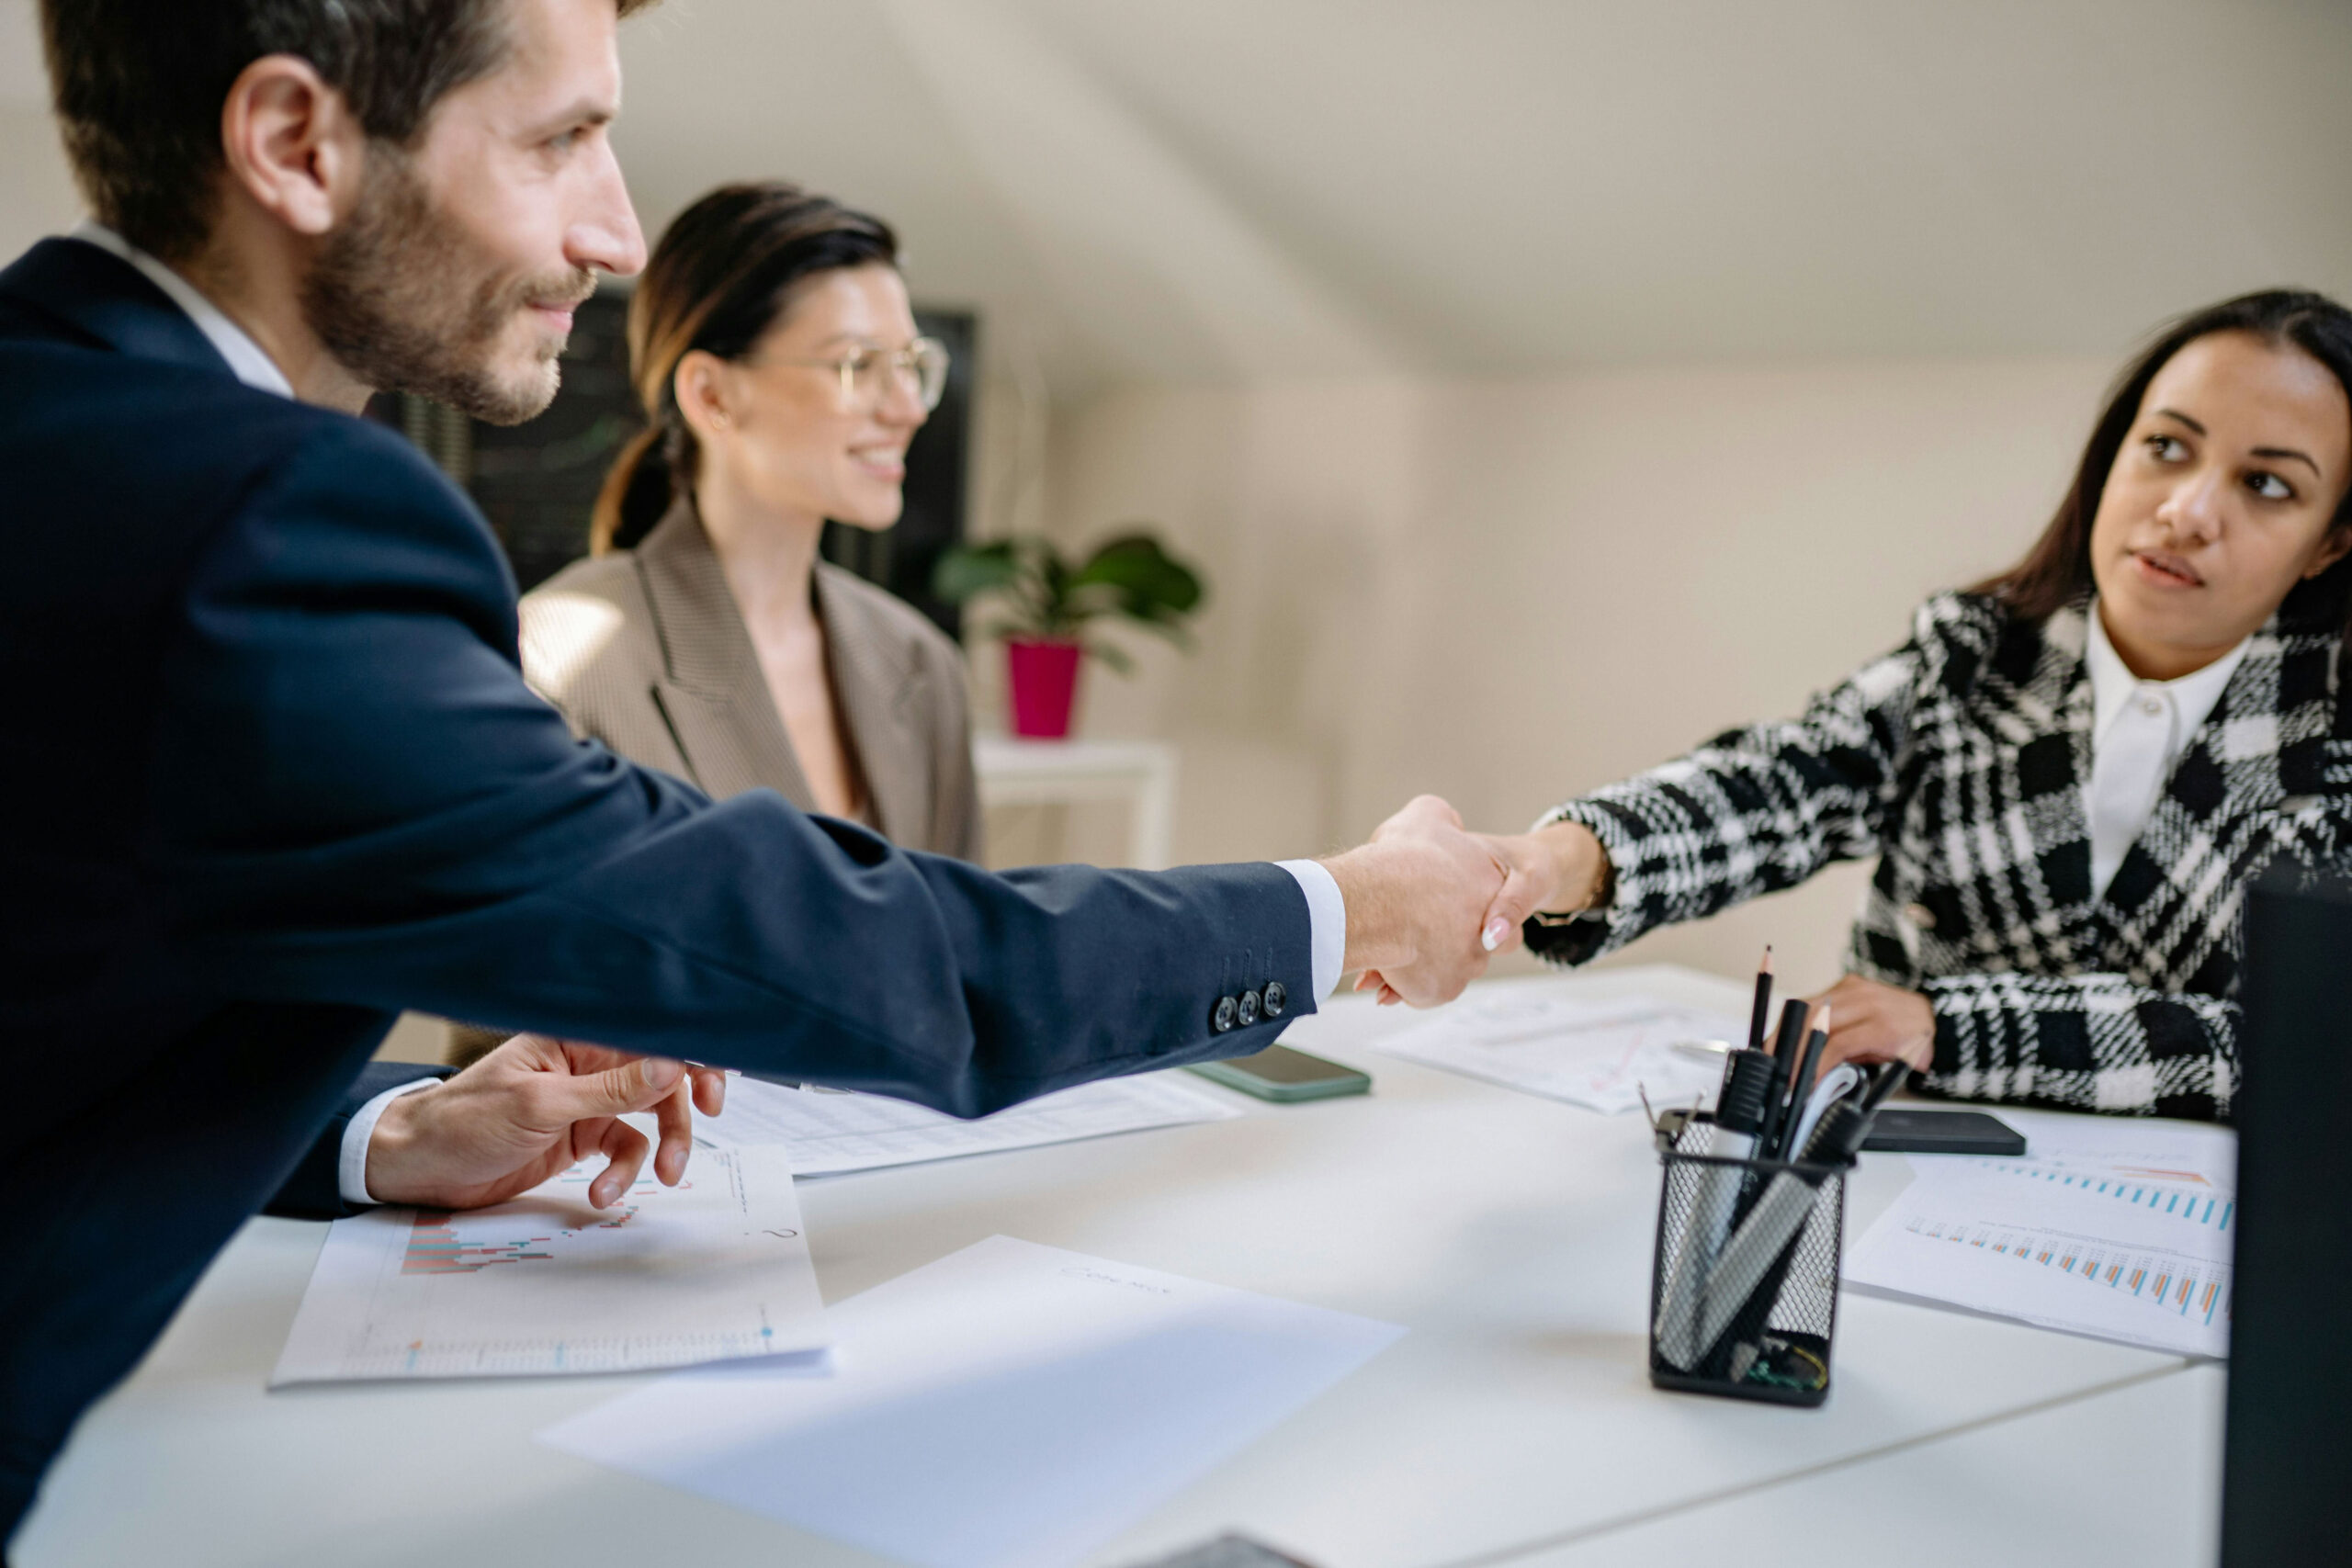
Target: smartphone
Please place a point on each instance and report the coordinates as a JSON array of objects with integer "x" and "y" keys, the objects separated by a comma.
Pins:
[
  {"x": 1899, "y": 1131},
  {"x": 1279, "y": 1072}
]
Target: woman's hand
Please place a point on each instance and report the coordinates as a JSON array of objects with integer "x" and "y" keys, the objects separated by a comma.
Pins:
[
  {"x": 1415, "y": 895},
  {"x": 1557, "y": 870},
  {"x": 1873, "y": 1022}
]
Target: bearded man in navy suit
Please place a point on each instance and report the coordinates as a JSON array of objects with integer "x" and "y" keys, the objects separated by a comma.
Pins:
[{"x": 268, "y": 772}]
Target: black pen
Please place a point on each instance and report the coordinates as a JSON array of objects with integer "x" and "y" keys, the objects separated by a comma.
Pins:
[
  {"x": 1784, "y": 1061},
  {"x": 1763, "y": 1013},
  {"x": 1802, "y": 1085}
]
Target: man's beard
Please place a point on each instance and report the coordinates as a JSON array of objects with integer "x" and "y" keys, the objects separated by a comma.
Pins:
[{"x": 403, "y": 301}]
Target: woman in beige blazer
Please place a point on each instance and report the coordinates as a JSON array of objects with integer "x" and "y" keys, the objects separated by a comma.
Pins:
[
  {"x": 773, "y": 345},
  {"x": 774, "y": 348}
]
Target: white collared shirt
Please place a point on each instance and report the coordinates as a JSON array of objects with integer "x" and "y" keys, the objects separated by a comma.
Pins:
[
  {"x": 2139, "y": 730},
  {"x": 252, "y": 366},
  {"x": 1327, "y": 920}
]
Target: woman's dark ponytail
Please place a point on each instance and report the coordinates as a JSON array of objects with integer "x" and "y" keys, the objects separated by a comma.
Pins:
[
  {"x": 716, "y": 283},
  {"x": 638, "y": 490}
]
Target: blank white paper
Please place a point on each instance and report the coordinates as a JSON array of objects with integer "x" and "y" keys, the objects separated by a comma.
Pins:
[
  {"x": 715, "y": 1268},
  {"x": 1009, "y": 1405},
  {"x": 830, "y": 1132},
  {"x": 1601, "y": 1056}
]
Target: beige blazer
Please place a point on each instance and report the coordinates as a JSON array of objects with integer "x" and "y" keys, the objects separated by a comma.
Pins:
[{"x": 646, "y": 652}]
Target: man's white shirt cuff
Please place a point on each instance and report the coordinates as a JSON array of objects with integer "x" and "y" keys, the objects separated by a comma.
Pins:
[
  {"x": 1326, "y": 915},
  {"x": 351, "y": 1168}
]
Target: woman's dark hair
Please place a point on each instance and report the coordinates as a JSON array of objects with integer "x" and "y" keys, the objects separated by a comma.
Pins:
[
  {"x": 717, "y": 282},
  {"x": 2056, "y": 571}
]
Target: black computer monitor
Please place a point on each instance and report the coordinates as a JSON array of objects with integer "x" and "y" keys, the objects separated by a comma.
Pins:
[{"x": 2286, "y": 1486}]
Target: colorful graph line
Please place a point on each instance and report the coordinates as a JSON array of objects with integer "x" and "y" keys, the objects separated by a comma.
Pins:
[
  {"x": 2186, "y": 1287},
  {"x": 2181, "y": 1201}
]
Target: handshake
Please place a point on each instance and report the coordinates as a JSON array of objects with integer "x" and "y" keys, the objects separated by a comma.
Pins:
[{"x": 1429, "y": 900}]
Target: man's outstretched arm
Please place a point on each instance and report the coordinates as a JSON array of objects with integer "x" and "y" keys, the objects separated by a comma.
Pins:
[{"x": 370, "y": 808}]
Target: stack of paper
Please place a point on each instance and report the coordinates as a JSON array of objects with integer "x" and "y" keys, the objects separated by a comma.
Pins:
[
  {"x": 1601, "y": 1056},
  {"x": 1010, "y": 1405},
  {"x": 2118, "y": 1229},
  {"x": 829, "y": 1132},
  {"x": 715, "y": 1268}
]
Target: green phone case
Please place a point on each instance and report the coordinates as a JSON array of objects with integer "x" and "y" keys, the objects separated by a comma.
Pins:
[{"x": 1234, "y": 1075}]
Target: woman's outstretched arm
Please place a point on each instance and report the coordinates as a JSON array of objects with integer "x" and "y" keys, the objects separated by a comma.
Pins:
[{"x": 1752, "y": 811}]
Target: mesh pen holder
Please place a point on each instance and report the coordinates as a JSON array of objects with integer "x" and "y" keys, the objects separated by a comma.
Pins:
[{"x": 1743, "y": 1276}]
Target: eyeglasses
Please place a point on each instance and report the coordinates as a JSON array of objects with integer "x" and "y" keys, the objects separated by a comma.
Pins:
[{"x": 867, "y": 373}]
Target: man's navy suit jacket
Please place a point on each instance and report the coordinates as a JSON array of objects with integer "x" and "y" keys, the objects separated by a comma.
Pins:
[{"x": 269, "y": 774}]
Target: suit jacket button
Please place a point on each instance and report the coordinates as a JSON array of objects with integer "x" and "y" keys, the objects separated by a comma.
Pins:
[
  {"x": 1276, "y": 999},
  {"x": 1221, "y": 1019},
  {"x": 1248, "y": 1009},
  {"x": 1920, "y": 915}
]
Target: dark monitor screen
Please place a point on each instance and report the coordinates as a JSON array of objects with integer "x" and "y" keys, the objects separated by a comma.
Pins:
[{"x": 2287, "y": 1487}]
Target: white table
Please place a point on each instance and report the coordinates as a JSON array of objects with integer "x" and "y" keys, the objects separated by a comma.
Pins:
[
  {"x": 1514, "y": 1423},
  {"x": 1142, "y": 774}
]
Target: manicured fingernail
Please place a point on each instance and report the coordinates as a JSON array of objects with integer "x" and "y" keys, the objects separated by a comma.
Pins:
[
  {"x": 660, "y": 1071},
  {"x": 1492, "y": 937}
]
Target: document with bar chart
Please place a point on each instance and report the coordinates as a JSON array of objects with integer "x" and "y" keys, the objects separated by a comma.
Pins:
[
  {"x": 712, "y": 1269},
  {"x": 2122, "y": 1234}
]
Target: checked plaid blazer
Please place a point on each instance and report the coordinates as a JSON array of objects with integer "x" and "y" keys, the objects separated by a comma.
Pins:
[{"x": 1959, "y": 760}]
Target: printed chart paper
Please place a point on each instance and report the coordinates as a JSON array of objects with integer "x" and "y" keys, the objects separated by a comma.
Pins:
[
  {"x": 1601, "y": 1056},
  {"x": 830, "y": 1132},
  {"x": 713, "y": 1269},
  {"x": 2196, "y": 1153},
  {"x": 2118, "y": 1229},
  {"x": 1009, "y": 1405}
]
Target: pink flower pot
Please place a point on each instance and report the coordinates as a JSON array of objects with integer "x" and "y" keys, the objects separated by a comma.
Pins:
[{"x": 1043, "y": 677}]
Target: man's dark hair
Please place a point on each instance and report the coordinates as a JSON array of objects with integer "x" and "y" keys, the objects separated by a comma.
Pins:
[{"x": 139, "y": 86}]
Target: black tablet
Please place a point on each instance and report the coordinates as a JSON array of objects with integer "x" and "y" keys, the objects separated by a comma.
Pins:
[{"x": 1899, "y": 1130}]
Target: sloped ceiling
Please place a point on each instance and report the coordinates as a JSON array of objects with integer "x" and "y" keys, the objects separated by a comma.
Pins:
[
  {"x": 1234, "y": 189},
  {"x": 1245, "y": 187}
]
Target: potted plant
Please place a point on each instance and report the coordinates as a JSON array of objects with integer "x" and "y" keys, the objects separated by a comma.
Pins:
[{"x": 1047, "y": 602}]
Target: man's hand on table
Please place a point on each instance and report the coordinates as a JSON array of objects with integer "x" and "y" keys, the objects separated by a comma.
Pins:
[{"x": 529, "y": 1110}]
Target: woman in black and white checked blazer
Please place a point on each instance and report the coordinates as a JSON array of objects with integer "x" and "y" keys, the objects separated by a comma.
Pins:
[{"x": 2068, "y": 774}]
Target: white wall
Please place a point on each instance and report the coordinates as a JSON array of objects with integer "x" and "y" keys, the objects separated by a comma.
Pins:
[
  {"x": 36, "y": 195},
  {"x": 1506, "y": 591},
  {"x": 1500, "y": 590}
]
